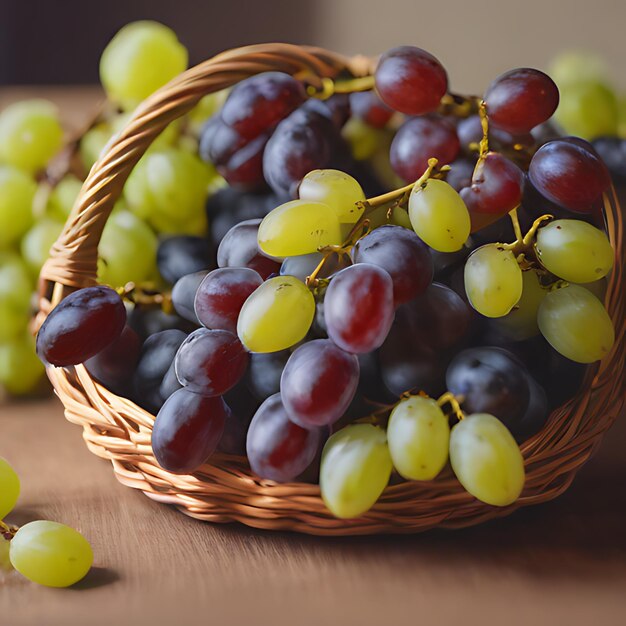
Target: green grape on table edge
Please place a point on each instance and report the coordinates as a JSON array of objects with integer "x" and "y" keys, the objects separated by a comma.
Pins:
[
  {"x": 277, "y": 315},
  {"x": 127, "y": 250},
  {"x": 16, "y": 288},
  {"x": 419, "y": 435},
  {"x": 439, "y": 216},
  {"x": 30, "y": 134},
  {"x": 17, "y": 192},
  {"x": 37, "y": 242},
  {"x": 487, "y": 460},
  {"x": 9, "y": 488},
  {"x": 20, "y": 367},
  {"x": 140, "y": 58},
  {"x": 576, "y": 324},
  {"x": 50, "y": 554},
  {"x": 356, "y": 466}
]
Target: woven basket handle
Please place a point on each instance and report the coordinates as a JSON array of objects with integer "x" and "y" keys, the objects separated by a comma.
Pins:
[{"x": 73, "y": 259}]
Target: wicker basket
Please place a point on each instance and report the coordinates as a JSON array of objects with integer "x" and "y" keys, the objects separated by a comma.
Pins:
[{"x": 225, "y": 490}]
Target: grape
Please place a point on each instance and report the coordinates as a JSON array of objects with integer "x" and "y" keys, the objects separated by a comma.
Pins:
[
  {"x": 277, "y": 448},
  {"x": 184, "y": 295},
  {"x": 367, "y": 106},
  {"x": 243, "y": 406},
  {"x": 358, "y": 307},
  {"x": 521, "y": 322},
  {"x": 576, "y": 324},
  {"x": 420, "y": 139},
  {"x": 301, "y": 143},
  {"x": 490, "y": 380},
  {"x": 573, "y": 66},
  {"x": 336, "y": 108},
  {"x": 62, "y": 197},
  {"x": 115, "y": 365},
  {"x": 182, "y": 255},
  {"x": 587, "y": 109},
  {"x": 410, "y": 80},
  {"x": 148, "y": 321},
  {"x": 612, "y": 150},
  {"x": 127, "y": 250},
  {"x": 439, "y": 216},
  {"x": 574, "y": 250},
  {"x": 142, "y": 57},
  {"x": 338, "y": 190},
  {"x": 187, "y": 430},
  {"x": 36, "y": 244},
  {"x": 169, "y": 384},
  {"x": 93, "y": 143},
  {"x": 15, "y": 295},
  {"x": 496, "y": 185},
  {"x": 486, "y": 459},
  {"x": 355, "y": 469},
  {"x": 240, "y": 248},
  {"x": 302, "y": 265},
  {"x": 299, "y": 227},
  {"x": 17, "y": 192},
  {"x": 157, "y": 355},
  {"x": 30, "y": 134},
  {"x": 520, "y": 99},
  {"x": 276, "y": 316},
  {"x": 9, "y": 488},
  {"x": 258, "y": 103},
  {"x": 493, "y": 280},
  {"x": 460, "y": 174},
  {"x": 50, "y": 554},
  {"x": 418, "y": 434},
  {"x": 536, "y": 413},
  {"x": 402, "y": 254},
  {"x": 264, "y": 373},
  {"x": 20, "y": 369},
  {"x": 206, "y": 108},
  {"x": 569, "y": 173},
  {"x": 210, "y": 362},
  {"x": 168, "y": 188},
  {"x": 81, "y": 325},
  {"x": 221, "y": 295},
  {"x": 363, "y": 140},
  {"x": 318, "y": 383}
]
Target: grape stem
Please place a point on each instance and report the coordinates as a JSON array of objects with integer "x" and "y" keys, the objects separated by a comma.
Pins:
[
  {"x": 454, "y": 402},
  {"x": 483, "y": 146},
  {"x": 329, "y": 87},
  {"x": 8, "y": 532},
  {"x": 524, "y": 246},
  {"x": 146, "y": 295}
]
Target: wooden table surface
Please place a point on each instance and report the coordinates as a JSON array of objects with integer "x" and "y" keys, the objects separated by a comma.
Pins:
[{"x": 560, "y": 563}]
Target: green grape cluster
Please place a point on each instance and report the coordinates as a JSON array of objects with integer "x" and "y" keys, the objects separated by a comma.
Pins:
[{"x": 47, "y": 553}]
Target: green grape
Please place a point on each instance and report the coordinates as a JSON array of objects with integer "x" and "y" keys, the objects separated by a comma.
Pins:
[
  {"x": 277, "y": 315},
  {"x": 92, "y": 143},
  {"x": 15, "y": 295},
  {"x": 20, "y": 367},
  {"x": 127, "y": 250},
  {"x": 206, "y": 108},
  {"x": 17, "y": 192},
  {"x": 62, "y": 198},
  {"x": 364, "y": 140},
  {"x": 574, "y": 251},
  {"x": 439, "y": 216},
  {"x": 338, "y": 190},
  {"x": 576, "y": 324},
  {"x": 299, "y": 227},
  {"x": 169, "y": 225},
  {"x": 419, "y": 437},
  {"x": 30, "y": 134},
  {"x": 37, "y": 242},
  {"x": 5, "y": 560},
  {"x": 166, "y": 139},
  {"x": 521, "y": 322},
  {"x": 486, "y": 459},
  {"x": 9, "y": 488},
  {"x": 399, "y": 217},
  {"x": 142, "y": 57},
  {"x": 587, "y": 110},
  {"x": 50, "y": 554},
  {"x": 356, "y": 466},
  {"x": 575, "y": 66},
  {"x": 493, "y": 280},
  {"x": 169, "y": 187}
]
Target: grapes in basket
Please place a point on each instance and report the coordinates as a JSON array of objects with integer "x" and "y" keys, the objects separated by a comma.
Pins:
[{"x": 393, "y": 284}]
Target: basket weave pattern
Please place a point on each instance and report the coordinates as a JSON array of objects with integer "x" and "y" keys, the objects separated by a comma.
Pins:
[{"x": 225, "y": 490}]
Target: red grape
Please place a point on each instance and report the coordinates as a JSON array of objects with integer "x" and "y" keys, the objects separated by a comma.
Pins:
[
  {"x": 358, "y": 307},
  {"x": 210, "y": 362},
  {"x": 187, "y": 430},
  {"x": 184, "y": 294},
  {"x": 402, "y": 254},
  {"x": 264, "y": 372},
  {"x": 277, "y": 448},
  {"x": 569, "y": 173},
  {"x": 460, "y": 174},
  {"x": 520, "y": 99},
  {"x": 80, "y": 326},
  {"x": 420, "y": 139},
  {"x": 411, "y": 80},
  {"x": 318, "y": 383},
  {"x": 367, "y": 106},
  {"x": 221, "y": 295},
  {"x": 181, "y": 255}
]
